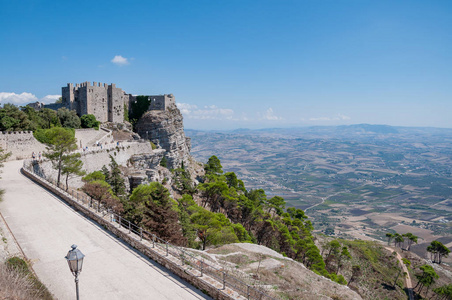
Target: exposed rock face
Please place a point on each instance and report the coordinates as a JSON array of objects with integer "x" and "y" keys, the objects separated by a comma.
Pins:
[
  {"x": 143, "y": 168},
  {"x": 166, "y": 129}
]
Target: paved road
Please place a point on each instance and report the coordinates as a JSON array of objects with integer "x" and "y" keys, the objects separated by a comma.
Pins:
[{"x": 46, "y": 228}]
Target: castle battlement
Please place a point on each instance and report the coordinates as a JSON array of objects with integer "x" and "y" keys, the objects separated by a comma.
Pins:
[
  {"x": 16, "y": 132},
  {"x": 105, "y": 101}
]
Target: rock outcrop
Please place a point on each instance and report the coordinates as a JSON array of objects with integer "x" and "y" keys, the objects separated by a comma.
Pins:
[{"x": 166, "y": 130}]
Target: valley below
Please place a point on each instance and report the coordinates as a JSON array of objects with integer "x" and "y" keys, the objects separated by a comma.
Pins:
[{"x": 358, "y": 181}]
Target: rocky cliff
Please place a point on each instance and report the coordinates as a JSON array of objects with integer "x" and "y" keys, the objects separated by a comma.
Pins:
[{"x": 166, "y": 130}]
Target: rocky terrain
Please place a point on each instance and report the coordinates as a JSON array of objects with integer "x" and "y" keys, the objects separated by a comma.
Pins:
[
  {"x": 276, "y": 274},
  {"x": 166, "y": 130}
]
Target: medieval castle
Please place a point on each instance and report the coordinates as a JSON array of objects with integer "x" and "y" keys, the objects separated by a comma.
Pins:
[{"x": 106, "y": 102}]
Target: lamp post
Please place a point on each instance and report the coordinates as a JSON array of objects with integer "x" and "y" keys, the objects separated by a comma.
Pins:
[{"x": 75, "y": 261}]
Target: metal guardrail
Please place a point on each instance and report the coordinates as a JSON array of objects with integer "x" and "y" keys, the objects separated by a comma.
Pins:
[{"x": 186, "y": 258}]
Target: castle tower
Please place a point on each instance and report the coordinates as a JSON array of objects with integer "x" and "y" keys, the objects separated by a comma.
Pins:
[{"x": 105, "y": 102}]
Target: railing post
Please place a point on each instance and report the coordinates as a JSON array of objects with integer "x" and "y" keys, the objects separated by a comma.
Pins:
[
  {"x": 153, "y": 241},
  {"x": 119, "y": 221},
  {"x": 129, "y": 226},
  {"x": 202, "y": 267},
  {"x": 141, "y": 234},
  {"x": 248, "y": 291},
  {"x": 166, "y": 248},
  {"x": 224, "y": 280}
]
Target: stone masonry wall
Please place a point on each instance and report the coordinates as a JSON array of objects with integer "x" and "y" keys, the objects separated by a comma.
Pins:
[
  {"x": 21, "y": 144},
  {"x": 105, "y": 102},
  {"x": 95, "y": 158}
]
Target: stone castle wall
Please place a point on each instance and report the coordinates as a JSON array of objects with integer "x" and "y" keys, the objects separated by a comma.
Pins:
[
  {"x": 21, "y": 144},
  {"x": 95, "y": 158},
  {"x": 105, "y": 102}
]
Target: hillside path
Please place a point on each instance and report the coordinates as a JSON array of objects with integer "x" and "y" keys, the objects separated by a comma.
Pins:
[
  {"x": 408, "y": 283},
  {"x": 45, "y": 228}
]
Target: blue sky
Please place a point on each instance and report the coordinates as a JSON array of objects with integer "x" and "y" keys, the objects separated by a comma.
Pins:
[{"x": 238, "y": 63}]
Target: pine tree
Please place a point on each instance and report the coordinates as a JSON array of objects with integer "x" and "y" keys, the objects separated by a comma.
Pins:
[{"x": 115, "y": 179}]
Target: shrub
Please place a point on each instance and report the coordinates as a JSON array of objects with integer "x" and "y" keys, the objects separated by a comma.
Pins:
[
  {"x": 17, "y": 264},
  {"x": 164, "y": 162},
  {"x": 89, "y": 121}
]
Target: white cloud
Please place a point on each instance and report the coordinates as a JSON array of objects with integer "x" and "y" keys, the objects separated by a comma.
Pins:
[
  {"x": 338, "y": 117},
  {"x": 269, "y": 115},
  {"x": 14, "y": 98},
  {"x": 25, "y": 98},
  {"x": 120, "y": 61},
  {"x": 50, "y": 98},
  {"x": 208, "y": 112}
]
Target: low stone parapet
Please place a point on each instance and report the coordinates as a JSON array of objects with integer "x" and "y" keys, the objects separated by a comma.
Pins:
[{"x": 217, "y": 283}]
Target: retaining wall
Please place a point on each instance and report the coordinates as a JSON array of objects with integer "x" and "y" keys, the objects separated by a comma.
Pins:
[{"x": 96, "y": 157}]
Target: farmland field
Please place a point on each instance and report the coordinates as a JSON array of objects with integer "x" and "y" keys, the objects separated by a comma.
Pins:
[{"x": 360, "y": 180}]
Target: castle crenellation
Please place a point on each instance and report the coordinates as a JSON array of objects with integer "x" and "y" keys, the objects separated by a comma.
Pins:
[
  {"x": 16, "y": 132},
  {"x": 105, "y": 101}
]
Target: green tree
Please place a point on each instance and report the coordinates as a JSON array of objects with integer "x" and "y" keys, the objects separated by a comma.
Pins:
[
  {"x": 426, "y": 278},
  {"x": 13, "y": 119},
  {"x": 213, "y": 166},
  {"x": 276, "y": 203},
  {"x": 213, "y": 228},
  {"x": 345, "y": 254},
  {"x": 390, "y": 236},
  {"x": 150, "y": 206},
  {"x": 183, "y": 182},
  {"x": 164, "y": 162},
  {"x": 437, "y": 251},
  {"x": 213, "y": 193},
  {"x": 98, "y": 190},
  {"x": 444, "y": 292},
  {"x": 231, "y": 180},
  {"x": 188, "y": 228},
  {"x": 89, "y": 121},
  {"x": 398, "y": 240},
  {"x": 72, "y": 166},
  {"x": 411, "y": 239},
  {"x": 60, "y": 143},
  {"x": 115, "y": 178},
  {"x": 106, "y": 173},
  {"x": 48, "y": 118},
  {"x": 68, "y": 118},
  {"x": 96, "y": 175}
]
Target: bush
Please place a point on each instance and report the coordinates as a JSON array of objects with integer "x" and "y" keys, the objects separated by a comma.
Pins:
[
  {"x": 164, "y": 162},
  {"x": 17, "y": 264},
  {"x": 89, "y": 121},
  {"x": 18, "y": 282}
]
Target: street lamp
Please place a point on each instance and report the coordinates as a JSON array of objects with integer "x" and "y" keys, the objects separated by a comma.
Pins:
[{"x": 75, "y": 261}]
